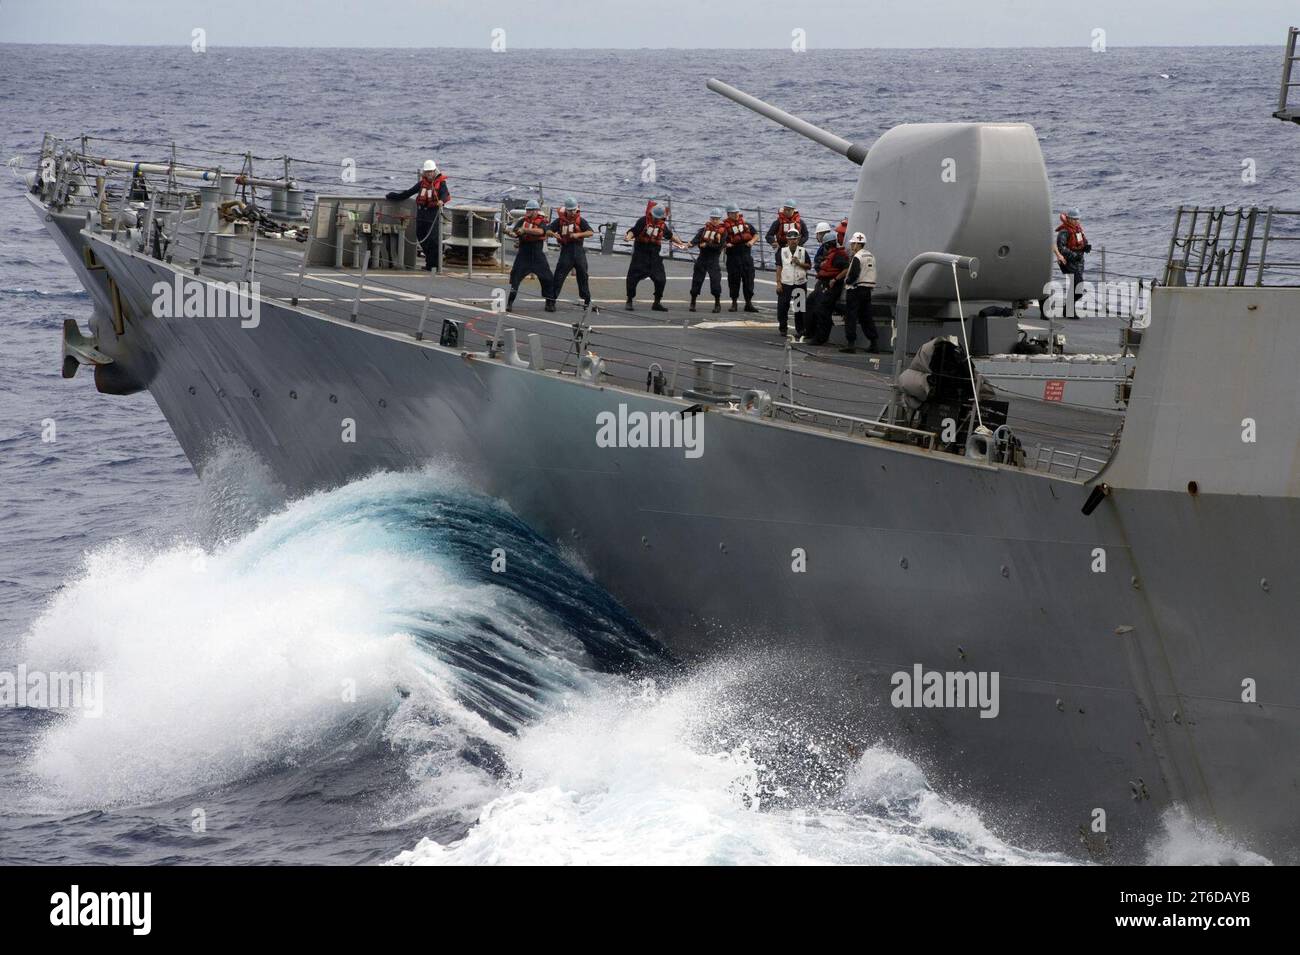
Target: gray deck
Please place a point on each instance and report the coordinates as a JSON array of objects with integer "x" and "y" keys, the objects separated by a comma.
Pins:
[{"x": 630, "y": 342}]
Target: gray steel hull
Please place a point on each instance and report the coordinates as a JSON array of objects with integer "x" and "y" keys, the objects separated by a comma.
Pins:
[{"x": 1120, "y": 691}]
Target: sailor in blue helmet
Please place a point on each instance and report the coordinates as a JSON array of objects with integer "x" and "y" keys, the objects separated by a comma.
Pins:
[
  {"x": 786, "y": 218},
  {"x": 647, "y": 236},
  {"x": 431, "y": 194},
  {"x": 709, "y": 240},
  {"x": 531, "y": 257},
  {"x": 740, "y": 257},
  {"x": 1071, "y": 246},
  {"x": 570, "y": 229}
]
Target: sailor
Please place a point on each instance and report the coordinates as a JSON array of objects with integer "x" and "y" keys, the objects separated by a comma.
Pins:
[
  {"x": 647, "y": 235},
  {"x": 431, "y": 194},
  {"x": 828, "y": 243},
  {"x": 741, "y": 237},
  {"x": 531, "y": 257},
  {"x": 1071, "y": 246},
  {"x": 792, "y": 282},
  {"x": 139, "y": 186},
  {"x": 709, "y": 240},
  {"x": 826, "y": 294},
  {"x": 859, "y": 279},
  {"x": 570, "y": 229},
  {"x": 821, "y": 232},
  {"x": 656, "y": 201},
  {"x": 787, "y": 217}
]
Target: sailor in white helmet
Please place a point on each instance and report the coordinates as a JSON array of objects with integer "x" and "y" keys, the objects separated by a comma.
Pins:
[
  {"x": 823, "y": 232},
  {"x": 792, "y": 282},
  {"x": 859, "y": 280},
  {"x": 431, "y": 194}
]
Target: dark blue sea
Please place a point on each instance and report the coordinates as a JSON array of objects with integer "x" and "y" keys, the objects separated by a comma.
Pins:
[{"x": 524, "y": 721}]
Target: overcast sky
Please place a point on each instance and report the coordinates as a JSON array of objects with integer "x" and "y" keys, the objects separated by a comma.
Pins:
[{"x": 650, "y": 23}]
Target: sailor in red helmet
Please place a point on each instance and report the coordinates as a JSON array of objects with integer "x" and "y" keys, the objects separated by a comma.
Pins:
[
  {"x": 646, "y": 236},
  {"x": 431, "y": 194},
  {"x": 531, "y": 257},
  {"x": 786, "y": 218},
  {"x": 1071, "y": 246},
  {"x": 570, "y": 229},
  {"x": 740, "y": 257}
]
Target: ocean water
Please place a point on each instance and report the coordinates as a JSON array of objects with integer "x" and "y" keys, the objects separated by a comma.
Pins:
[{"x": 332, "y": 679}]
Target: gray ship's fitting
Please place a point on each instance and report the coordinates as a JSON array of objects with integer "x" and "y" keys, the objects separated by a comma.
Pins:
[
  {"x": 963, "y": 262},
  {"x": 848, "y": 150},
  {"x": 79, "y": 349}
]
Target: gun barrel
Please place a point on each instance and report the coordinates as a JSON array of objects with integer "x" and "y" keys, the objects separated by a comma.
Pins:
[{"x": 840, "y": 145}]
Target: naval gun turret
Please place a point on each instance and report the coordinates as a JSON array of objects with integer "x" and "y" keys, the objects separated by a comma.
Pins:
[{"x": 971, "y": 189}]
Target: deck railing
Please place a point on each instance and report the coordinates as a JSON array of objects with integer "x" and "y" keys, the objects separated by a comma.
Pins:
[
  {"x": 1221, "y": 246},
  {"x": 830, "y": 395}
]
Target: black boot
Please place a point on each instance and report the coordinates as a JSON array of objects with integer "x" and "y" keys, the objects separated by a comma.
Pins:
[
  {"x": 658, "y": 306},
  {"x": 628, "y": 306},
  {"x": 733, "y": 306},
  {"x": 717, "y": 304},
  {"x": 692, "y": 308},
  {"x": 510, "y": 302},
  {"x": 550, "y": 304},
  {"x": 749, "y": 306}
]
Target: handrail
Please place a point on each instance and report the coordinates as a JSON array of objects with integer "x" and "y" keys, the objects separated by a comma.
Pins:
[
  {"x": 376, "y": 298},
  {"x": 929, "y": 437},
  {"x": 753, "y": 207},
  {"x": 1218, "y": 246},
  {"x": 1289, "y": 58}
]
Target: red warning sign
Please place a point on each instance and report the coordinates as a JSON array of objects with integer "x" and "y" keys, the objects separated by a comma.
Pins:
[{"x": 1054, "y": 390}]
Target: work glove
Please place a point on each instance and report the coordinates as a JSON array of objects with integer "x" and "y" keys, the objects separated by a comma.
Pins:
[{"x": 391, "y": 197}]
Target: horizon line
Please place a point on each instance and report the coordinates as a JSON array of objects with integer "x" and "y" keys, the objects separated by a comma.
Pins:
[{"x": 486, "y": 49}]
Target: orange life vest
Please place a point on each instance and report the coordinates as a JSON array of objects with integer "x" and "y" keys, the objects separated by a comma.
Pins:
[
  {"x": 428, "y": 196},
  {"x": 738, "y": 231},
  {"x": 570, "y": 222},
  {"x": 713, "y": 234},
  {"x": 533, "y": 220},
  {"x": 833, "y": 262},
  {"x": 1075, "y": 240},
  {"x": 783, "y": 222},
  {"x": 653, "y": 231}
]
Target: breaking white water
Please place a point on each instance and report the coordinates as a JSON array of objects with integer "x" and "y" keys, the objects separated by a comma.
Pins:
[{"x": 346, "y": 679}]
